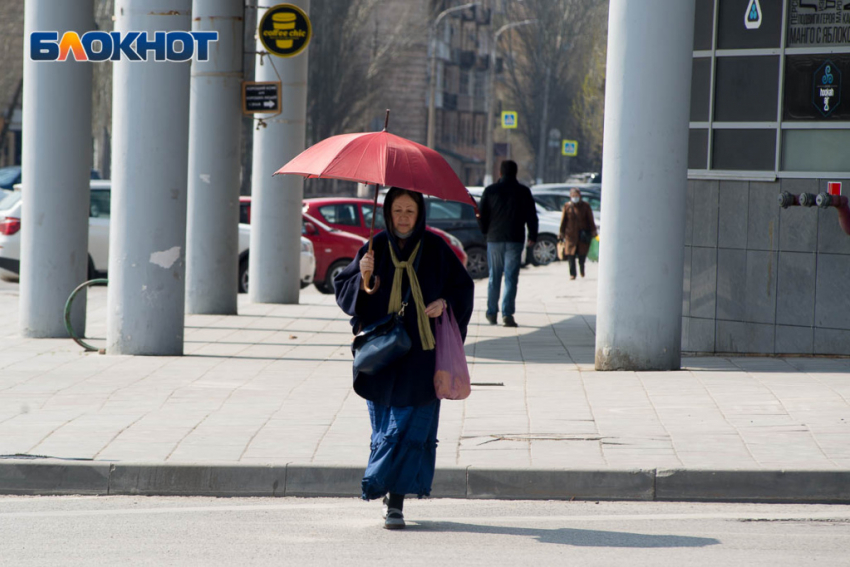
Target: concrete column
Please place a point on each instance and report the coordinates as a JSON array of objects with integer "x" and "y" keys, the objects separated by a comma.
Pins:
[
  {"x": 215, "y": 135},
  {"x": 57, "y": 158},
  {"x": 150, "y": 139},
  {"x": 274, "y": 272},
  {"x": 647, "y": 100}
]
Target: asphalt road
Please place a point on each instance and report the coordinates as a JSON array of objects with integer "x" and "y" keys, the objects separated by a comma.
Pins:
[{"x": 298, "y": 532}]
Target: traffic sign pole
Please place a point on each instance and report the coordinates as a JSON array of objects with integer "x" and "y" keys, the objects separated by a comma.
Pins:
[{"x": 215, "y": 122}]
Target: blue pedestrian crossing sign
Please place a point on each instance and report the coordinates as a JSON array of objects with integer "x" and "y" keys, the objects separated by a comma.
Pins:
[
  {"x": 569, "y": 148},
  {"x": 509, "y": 119}
]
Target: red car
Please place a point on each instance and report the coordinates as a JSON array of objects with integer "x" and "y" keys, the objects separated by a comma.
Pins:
[
  {"x": 334, "y": 249},
  {"x": 355, "y": 216}
]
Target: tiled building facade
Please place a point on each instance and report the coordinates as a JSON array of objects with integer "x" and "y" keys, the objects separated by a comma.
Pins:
[{"x": 759, "y": 278}]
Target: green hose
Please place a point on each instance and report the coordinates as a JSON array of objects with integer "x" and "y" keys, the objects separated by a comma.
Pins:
[{"x": 68, "y": 326}]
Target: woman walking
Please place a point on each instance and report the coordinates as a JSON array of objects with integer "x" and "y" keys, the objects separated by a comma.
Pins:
[
  {"x": 403, "y": 408},
  {"x": 577, "y": 231}
]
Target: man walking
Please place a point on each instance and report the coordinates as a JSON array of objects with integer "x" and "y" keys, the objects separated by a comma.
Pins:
[{"x": 506, "y": 208}]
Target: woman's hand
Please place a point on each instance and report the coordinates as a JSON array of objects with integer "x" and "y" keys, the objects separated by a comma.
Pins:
[
  {"x": 435, "y": 308},
  {"x": 367, "y": 264}
]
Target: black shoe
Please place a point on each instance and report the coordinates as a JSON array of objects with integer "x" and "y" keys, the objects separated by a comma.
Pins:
[
  {"x": 491, "y": 319},
  {"x": 509, "y": 321},
  {"x": 394, "y": 519}
]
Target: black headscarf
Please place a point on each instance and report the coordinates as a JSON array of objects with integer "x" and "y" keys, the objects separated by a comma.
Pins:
[{"x": 418, "y": 228}]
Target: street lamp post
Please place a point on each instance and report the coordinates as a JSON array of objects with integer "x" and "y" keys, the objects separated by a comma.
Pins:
[
  {"x": 488, "y": 161},
  {"x": 433, "y": 86}
]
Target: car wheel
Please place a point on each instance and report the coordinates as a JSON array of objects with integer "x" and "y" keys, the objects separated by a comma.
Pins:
[
  {"x": 476, "y": 263},
  {"x": 92, "y": 273},
  {"x": 333, "y": 271},
  {"x": 243, "y": 276},
  {"x": 545, "y": 251}
]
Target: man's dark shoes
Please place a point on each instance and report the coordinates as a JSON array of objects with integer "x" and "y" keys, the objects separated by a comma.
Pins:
[
  {"x": 491, "y": 319},
  {"x": 509, "y": 321}
]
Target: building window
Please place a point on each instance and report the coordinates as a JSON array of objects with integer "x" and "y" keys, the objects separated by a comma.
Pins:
[
  {"x": 746, "y": 89},
  {"x": 480, "y": 88},
  {"x": 744, "y": 150},
  {"x": 479, "y": 131},
  {"x": 816, "y": 150},
  {"x": 817, "y": 87},
  {"x": 464, "y": 83}
]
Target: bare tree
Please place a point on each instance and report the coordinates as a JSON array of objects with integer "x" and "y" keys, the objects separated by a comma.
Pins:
[
  {"x": 553, "y": 55},
  {"x": 588, "y": 108},
  {"x": 102, "y": 96},
  {"x": 353, "y": 47},
  {"x": 350, "y": 52}
]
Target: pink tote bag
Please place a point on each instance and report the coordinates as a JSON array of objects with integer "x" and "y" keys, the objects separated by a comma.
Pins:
[{"x": 451, "y": 378}]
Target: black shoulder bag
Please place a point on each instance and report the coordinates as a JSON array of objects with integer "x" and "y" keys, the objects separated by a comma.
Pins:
[{"x": 384, "y": 341}]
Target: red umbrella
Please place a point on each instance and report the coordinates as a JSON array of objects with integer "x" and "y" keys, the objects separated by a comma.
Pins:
[{"x": 380, "y": 158}]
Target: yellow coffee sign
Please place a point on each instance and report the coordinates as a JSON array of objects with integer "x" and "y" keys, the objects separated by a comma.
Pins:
[{"x": 285, "y": 30}]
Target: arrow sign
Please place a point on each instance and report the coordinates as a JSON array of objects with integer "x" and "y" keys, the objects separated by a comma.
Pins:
[{"x": 260, "y": 97}]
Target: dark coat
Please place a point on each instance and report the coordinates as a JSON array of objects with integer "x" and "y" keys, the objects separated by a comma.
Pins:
[
  {"x": 506, "y": 208},
  {"x": 409, "y": 381},
  {"x": 574, "y": 218}
]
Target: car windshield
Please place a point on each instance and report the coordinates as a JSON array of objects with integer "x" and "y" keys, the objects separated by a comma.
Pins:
[
  {"x": 9, "y": 200},
  {"x": 9, "y": 175}
]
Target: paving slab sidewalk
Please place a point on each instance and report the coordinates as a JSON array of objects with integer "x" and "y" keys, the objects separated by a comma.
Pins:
[{"x": 270, "y": 390}]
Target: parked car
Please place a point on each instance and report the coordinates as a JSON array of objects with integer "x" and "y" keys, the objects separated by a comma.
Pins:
[
  {"x": 11, "y": 175},
  {"x": 307, "y": 265},
  {"x": 545, "y": 249},
  {"x": 99, "y": 215},
  {"x": 355, "y": 215},
  {"x": 10, "y": 235},
  {"x": 334, "y": 249}
]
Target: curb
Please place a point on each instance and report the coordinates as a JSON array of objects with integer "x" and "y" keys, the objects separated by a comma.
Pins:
[{"x": 56, "y": 477}]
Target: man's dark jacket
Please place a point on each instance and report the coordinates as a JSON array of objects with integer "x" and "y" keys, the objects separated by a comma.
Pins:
[{"x": 506, "y": 207}]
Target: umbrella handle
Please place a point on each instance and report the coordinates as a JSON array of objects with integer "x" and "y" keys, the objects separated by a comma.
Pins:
[{"x": 372, "y": 290}]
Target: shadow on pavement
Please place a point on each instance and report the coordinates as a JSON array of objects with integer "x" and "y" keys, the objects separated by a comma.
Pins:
[
  {"x": 569, "y": 536},
  {"x": 551, "y": 344}
]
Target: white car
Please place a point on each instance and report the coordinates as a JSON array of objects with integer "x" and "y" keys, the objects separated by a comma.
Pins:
[
  {"x": 99, "y": 213},
  {"x": 553, "y": 197},
  {"x": 308, "y": 259},
  {"x": 545, "y": 249}
]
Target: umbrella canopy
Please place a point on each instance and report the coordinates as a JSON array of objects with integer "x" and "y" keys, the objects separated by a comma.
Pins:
[{"x": 380, "y": 158}]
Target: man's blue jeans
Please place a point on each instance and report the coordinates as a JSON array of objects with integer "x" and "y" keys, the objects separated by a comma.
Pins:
[{"x": 504, "y": 257}]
